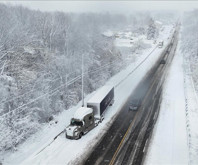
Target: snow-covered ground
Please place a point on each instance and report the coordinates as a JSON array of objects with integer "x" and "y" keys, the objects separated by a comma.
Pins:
[
  {"x": 191, "y": 110},
  {"x": 65, "y": 151},
  {"x": 175, "y": 137}
]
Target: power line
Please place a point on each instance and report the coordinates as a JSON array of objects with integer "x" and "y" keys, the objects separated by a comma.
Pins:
[
  {"x": 19, "y": 96},
  {"x": 46, "y": 94},
  {"x": 33, "y": 90},
  {"x": 55, "y": 90}
]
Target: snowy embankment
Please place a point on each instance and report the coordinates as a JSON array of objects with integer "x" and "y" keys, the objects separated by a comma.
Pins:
[
  {"x": 175, "y": 137},
  {"x": 65, "y": 151},
  {"x": 191, "y": 109}
]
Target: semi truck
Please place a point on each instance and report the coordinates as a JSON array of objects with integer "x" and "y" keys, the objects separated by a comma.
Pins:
[{"x": 88, "y": 117}]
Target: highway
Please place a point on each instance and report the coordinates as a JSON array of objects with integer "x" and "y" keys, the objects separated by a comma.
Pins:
[{"x": 127, "y": 140}]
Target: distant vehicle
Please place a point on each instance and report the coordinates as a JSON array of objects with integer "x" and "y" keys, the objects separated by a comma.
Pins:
[
  {"x": 163, "y": 62},
  {"x": 86, "y": 118},
  {"x": 160, "y": 44},
  {"x": 134, "y": 105},
  {"x": 117, "y": 36}
]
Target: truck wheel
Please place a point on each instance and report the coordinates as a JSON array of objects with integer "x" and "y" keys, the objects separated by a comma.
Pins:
[{"x": 80, "y": 135}]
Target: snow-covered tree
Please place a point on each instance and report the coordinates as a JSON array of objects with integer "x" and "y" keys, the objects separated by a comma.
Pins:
[{"x": 152, "y": 31}]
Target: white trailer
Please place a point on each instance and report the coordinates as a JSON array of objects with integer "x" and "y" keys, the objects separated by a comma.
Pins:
[{"x": 101, "y": 100}]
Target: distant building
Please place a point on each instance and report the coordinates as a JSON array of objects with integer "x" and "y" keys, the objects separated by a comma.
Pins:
[
  {"x": 109, "y": 34},
  {"x": 158, "y": 24}
]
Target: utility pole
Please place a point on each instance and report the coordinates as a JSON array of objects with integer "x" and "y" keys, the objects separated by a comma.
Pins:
[{"x": 82, "y": 80}]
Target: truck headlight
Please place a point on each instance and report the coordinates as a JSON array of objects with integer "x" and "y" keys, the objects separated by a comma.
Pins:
[{"x": 75, "y": 133}]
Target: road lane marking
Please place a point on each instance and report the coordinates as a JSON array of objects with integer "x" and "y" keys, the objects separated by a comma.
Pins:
[
  {"x": 145, "y": 145},
  {"x": 115, "y": 154}
]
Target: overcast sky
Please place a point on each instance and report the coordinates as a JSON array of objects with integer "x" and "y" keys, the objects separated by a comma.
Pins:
[{"x": 107, "y": 6}]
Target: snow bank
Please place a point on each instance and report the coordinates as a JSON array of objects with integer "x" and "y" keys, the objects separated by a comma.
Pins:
[{"x": 191, "y": 109}]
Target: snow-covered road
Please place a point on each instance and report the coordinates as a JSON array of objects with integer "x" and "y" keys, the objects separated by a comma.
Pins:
[{"x": 64, "y": 151}]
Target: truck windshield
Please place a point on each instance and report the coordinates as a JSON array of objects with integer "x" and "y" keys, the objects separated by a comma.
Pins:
[{"x": 77, "y": 123}]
